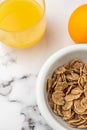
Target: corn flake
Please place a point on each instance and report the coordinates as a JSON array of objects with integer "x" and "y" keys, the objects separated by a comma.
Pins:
[{"x": 67, "y": 93}]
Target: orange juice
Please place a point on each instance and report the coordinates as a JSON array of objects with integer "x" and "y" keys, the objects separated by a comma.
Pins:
[{"x": 21, "y": 21}]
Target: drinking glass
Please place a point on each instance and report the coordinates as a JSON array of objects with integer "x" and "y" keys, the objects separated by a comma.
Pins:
[{"x": 27, "y": 37}]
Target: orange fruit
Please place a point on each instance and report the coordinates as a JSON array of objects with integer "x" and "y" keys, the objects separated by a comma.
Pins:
[{"x": 77, "y": 25}]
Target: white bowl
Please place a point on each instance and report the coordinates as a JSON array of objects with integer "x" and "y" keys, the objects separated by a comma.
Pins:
[{"x": 59, "y": 58}]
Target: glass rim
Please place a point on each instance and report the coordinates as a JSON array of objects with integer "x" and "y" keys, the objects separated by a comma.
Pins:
[{"x": 29, "y": 27}]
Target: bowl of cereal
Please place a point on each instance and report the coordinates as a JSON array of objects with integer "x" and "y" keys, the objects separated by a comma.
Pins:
[{"x": 62, "y": 89}]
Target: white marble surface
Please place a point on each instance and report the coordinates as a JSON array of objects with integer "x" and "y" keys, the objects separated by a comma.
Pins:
[{"x": 19, "y": 70}]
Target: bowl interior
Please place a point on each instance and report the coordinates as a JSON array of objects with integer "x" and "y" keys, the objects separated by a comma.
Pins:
[{"x": 80, "y": 54}]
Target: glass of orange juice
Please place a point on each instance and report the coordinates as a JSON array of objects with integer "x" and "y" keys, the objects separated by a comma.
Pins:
[{"x": 22, "y": 22}]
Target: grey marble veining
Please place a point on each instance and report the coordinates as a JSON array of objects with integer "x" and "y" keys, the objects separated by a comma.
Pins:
[{"x": 17, "y": 90}]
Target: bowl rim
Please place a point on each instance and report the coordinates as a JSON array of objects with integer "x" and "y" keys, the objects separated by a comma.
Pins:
[{"x": 52, "y": 122}]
